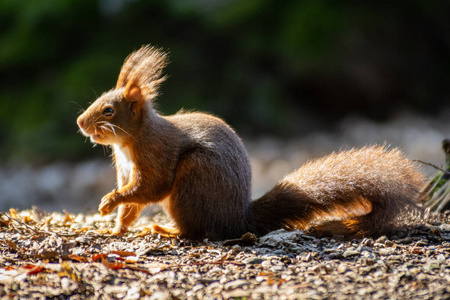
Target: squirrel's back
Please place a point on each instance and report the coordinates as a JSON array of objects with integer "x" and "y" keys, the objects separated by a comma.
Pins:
[{"x": 212, "y": 188}]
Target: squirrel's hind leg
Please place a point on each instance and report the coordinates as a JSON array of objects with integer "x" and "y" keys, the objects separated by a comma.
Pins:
[{"x": 127, "y": 214}]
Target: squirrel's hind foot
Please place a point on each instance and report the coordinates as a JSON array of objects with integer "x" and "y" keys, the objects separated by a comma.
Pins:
[
  {"x": 120, "y": 230},
  {"x": 165, "y": 231}
]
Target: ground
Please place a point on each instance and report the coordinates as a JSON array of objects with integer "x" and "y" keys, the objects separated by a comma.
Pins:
[{"x": 57, "y": 255}]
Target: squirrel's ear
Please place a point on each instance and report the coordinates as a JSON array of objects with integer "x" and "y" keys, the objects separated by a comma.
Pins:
[
  {"x": 141, "y": 74},
  {"x": 133, "y": 93}
]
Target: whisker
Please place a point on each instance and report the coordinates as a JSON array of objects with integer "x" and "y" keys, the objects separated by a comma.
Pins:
[
  {"x": 129, "y": 211},
  {"x": 98, "y": 118},
  {"x": 110, "y": 125},
  {"x": 112, "y": 128},
  {"x": 103, "y": 127},
  {"x": 95, "y": 93},
  {"x": 115, "y": 126},
  {"x": 118, "y": 127},
  {"x": 81, "y": 108}
]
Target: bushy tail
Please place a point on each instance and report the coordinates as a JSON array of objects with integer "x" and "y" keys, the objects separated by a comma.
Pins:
[{"x": 354, "y": 193}]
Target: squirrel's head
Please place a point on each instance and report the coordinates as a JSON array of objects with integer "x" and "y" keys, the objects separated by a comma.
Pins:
[{"x": 113, "y": 117}]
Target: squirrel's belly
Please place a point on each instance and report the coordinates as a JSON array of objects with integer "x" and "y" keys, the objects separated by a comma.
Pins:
[{"x": 124, "y": 164}]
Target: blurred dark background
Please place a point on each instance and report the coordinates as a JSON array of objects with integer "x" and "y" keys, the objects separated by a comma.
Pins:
[{"x": 279, "y": 68}]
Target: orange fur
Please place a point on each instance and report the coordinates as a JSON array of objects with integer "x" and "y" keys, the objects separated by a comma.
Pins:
[{"x": 197, "y": 167}]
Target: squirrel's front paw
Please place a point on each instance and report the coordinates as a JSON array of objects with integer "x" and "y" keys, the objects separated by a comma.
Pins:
[{"x": 108, "y": 204}]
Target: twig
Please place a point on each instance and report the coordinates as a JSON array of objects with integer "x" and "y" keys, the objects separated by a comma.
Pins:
[
  {"x": 29, "y": 227},
  {"x": 432, "y": 165},
  {"x": 11, "y": 218}
]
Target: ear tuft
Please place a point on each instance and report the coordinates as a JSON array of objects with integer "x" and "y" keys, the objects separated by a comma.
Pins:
[
  {"x": 133, "y": 94},
  {"x": 142, "y": 69}
]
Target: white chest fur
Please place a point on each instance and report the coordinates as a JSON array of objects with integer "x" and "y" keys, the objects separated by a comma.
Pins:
[{"x": 124, "y": 165}]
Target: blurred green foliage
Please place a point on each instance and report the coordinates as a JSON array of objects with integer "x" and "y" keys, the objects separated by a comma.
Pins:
[{"x": 273, "y": 67}]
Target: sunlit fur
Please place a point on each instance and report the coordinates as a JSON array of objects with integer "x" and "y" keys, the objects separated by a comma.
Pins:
[
  {"x": 196, "y": 166},
  {"x": 353, "y": 193}
]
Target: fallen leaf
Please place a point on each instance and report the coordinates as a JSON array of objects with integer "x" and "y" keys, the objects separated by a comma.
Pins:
[
  {"x": 12, "y": 246},
  {"x": 143, "y": 270},
  {"x": 144, "y": 231},
  {"x": 113, "y": 265},
  {"x": 26, "y": 219},
  {"x": 13, "y": 213},
  {"x": 77, "y": 258},
  {"x": 223, "y": 258},
  {"x": 67, "y": 218},
  {"x": 124, "y": 253},
  {"x": 98, "y": 257},
  {"x": 103, "y": 231},
  {"x": 281, "y": 281},
  {"x": 46, "y": 254},
  {"x": 34, "y": 269},
  {"x": 68, "y": 271},
  {"x": 82, "y": 230},
  {"x": 3, "y": 222}
]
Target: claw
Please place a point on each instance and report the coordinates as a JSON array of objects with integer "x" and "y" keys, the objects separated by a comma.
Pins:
[{"x": 108, "y": 204}]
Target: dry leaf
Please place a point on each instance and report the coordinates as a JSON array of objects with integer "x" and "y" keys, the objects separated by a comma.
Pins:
[
  {"x": 77, "y": 258},
  {"x": 26, "y": 219},
  {"x": 82, "y": 230},
  {"x": 67, "y": 218},
  {"x": 33, "y": 269},
  {"x": 123, "y": 253},
  {"x": 113, "y": 265},
  {"x": 67, "y": 271},
  {"x": 4, "y": 222},
  {"x": 98, "y": 257},
  {"x": 46, "y": 254},
  {"x": 13, "y": 213},
  {"x": 12, "y": 246},
  {"x": 103, "y": 231},
  {"x": 144, "y": 231}
]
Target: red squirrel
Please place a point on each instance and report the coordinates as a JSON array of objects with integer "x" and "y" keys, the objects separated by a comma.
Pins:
[{"x": 196, "y": 166}]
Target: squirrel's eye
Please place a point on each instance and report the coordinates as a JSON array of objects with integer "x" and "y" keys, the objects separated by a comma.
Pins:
[{"x": 108, "y": 112}]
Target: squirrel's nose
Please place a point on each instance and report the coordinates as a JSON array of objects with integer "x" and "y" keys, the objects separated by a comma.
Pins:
[{"x": 80, "y": 123}]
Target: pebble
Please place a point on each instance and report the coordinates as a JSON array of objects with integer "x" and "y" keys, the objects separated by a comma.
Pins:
[
  {"x": 236, "y": 248},
  {"x": 253, "y": 260},
  {"x": 236, "y": 284},
  {"x": 440, "y": 258},
  {"x": 342, "y": 268},
  {"x": 401, "y": 268},
  {"x": 350, "y": 253}
]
